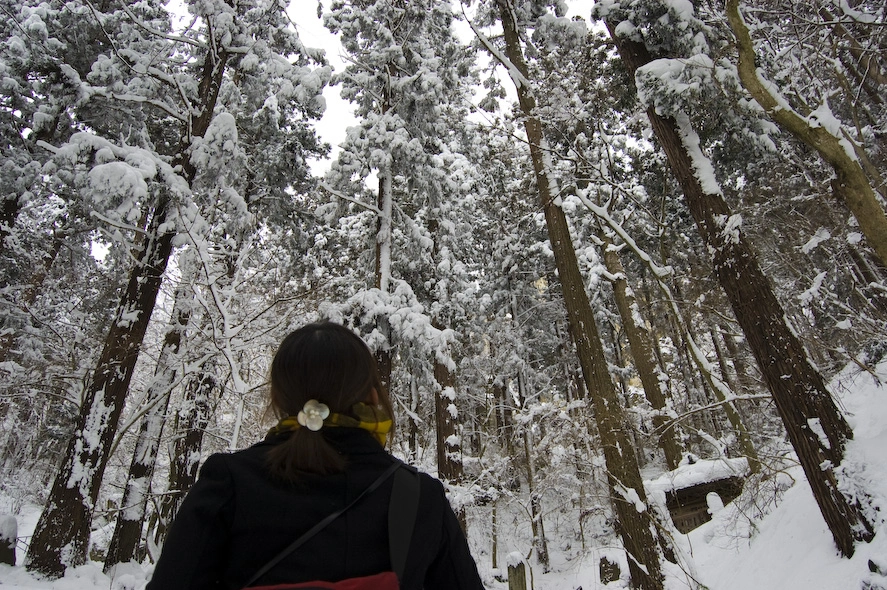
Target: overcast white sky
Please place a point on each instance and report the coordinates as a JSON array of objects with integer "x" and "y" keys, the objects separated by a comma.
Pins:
[{"x": 338, "y": 115}]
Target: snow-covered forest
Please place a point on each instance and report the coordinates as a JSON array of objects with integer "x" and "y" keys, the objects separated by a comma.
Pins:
[{"x": 623, "y": 265}]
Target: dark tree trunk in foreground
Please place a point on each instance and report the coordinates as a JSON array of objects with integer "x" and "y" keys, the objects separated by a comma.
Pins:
[
  {"x": 815, "y": 426},
  {"x": 627, "y": 490},
  {"x": 61, "y": 538},
  {"x": 126, "y": 540}
]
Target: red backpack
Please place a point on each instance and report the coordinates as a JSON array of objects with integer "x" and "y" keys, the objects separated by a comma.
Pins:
[{"x": 402, "y": 509}]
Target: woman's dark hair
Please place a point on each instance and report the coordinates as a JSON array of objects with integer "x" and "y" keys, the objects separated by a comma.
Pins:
[{"x": 329, "y": 363}]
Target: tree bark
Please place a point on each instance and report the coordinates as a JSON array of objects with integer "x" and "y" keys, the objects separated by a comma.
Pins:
[
  {"x": 414, "y": 421},
  {"x": 504, "y": 421},
  {"x": 126, "y": 540},
  {"x": 815, "y": 426},
  {"x": 191, "y": 422},
  {"x": 537, "y": 522},
  {"x": 743, "y": 371},
  {"x": 639, "y": 342},
  {"x": 385, "y": 202},
  {"x": 449, "y": 459},
  {"x": 628, "y": 496}
]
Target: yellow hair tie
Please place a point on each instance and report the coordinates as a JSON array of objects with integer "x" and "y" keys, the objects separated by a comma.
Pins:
[{"x": 315, "y": 415}]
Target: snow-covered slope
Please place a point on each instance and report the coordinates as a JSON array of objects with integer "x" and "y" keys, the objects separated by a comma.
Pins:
[{"x": 774, "y": 539}]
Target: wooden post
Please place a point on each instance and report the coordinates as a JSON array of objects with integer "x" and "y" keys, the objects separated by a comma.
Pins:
[
  {"x": 517, "y": 574},
  {"x": 8, "y": 538}
]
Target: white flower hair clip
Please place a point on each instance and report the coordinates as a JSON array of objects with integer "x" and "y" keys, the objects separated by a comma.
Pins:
[{"x": 313, "y": 415}]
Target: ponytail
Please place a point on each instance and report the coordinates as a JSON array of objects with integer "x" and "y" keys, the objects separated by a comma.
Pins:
[
  {"x": 304, "y": 452},
  {"x": 328, "y": 363}
]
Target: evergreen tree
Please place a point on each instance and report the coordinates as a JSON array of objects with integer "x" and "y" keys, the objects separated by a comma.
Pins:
[
  {"x": 803, "y": 398},
  {"x": 185, "y": 95},
  {"x": 406, "y": 78}
]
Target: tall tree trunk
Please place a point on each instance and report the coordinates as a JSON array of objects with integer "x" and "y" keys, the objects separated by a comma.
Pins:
[
  {"x": 743, "y": 371},
  {"x": 627, "y": 488},
  {"x": 126, "y": 540},
  {"x": 851, "y": 185},
  {"x": 537, "y": 523},
  {"x": 651, "y": 375},
  {"x": 574, "y": 386},
  {"x": 504, "y": 420},
  {"x": 814, "y": 424},
  {"x": 383, "y": 231},
  {"x": 414, "y": 419},
  {"x": 447, "y": 416},
  {"x": 385, "y": 202},
  {"x": 61, "y": 537}
]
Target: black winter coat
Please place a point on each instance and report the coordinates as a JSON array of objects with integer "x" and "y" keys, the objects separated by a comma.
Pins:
[{"x": 236, "y": 518}]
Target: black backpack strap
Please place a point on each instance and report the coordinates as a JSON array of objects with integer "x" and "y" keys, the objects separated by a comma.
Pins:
[
  {"x": 323, "y": 524},
  {"x": 402, "y": 509}
]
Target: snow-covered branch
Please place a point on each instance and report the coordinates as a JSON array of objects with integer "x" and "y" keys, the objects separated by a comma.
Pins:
[
  {"x": 343, "y": 196},
  {"x": 157, "y": 33},
  {"x": 681, "y": 417},
  {"x": 519, "y": 80},
  {"x": 145, "y": 100}
]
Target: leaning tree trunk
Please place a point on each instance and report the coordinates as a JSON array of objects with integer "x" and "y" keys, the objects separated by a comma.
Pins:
[
  {"x": 743, "y": 371},
  {"x": 126, "y": 539},
  {"x": 61, "y": 537},
  {"x": 815, "y": 426},
  {"x": 627, "y": 490},
  {"x": 639, "y": 342},
  {"x": 851, "y": 185}
]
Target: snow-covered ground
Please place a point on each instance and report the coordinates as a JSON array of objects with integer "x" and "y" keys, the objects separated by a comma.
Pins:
[
  {"x": 788, "y": 548},
  {"x": 791, "y": 548}
]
